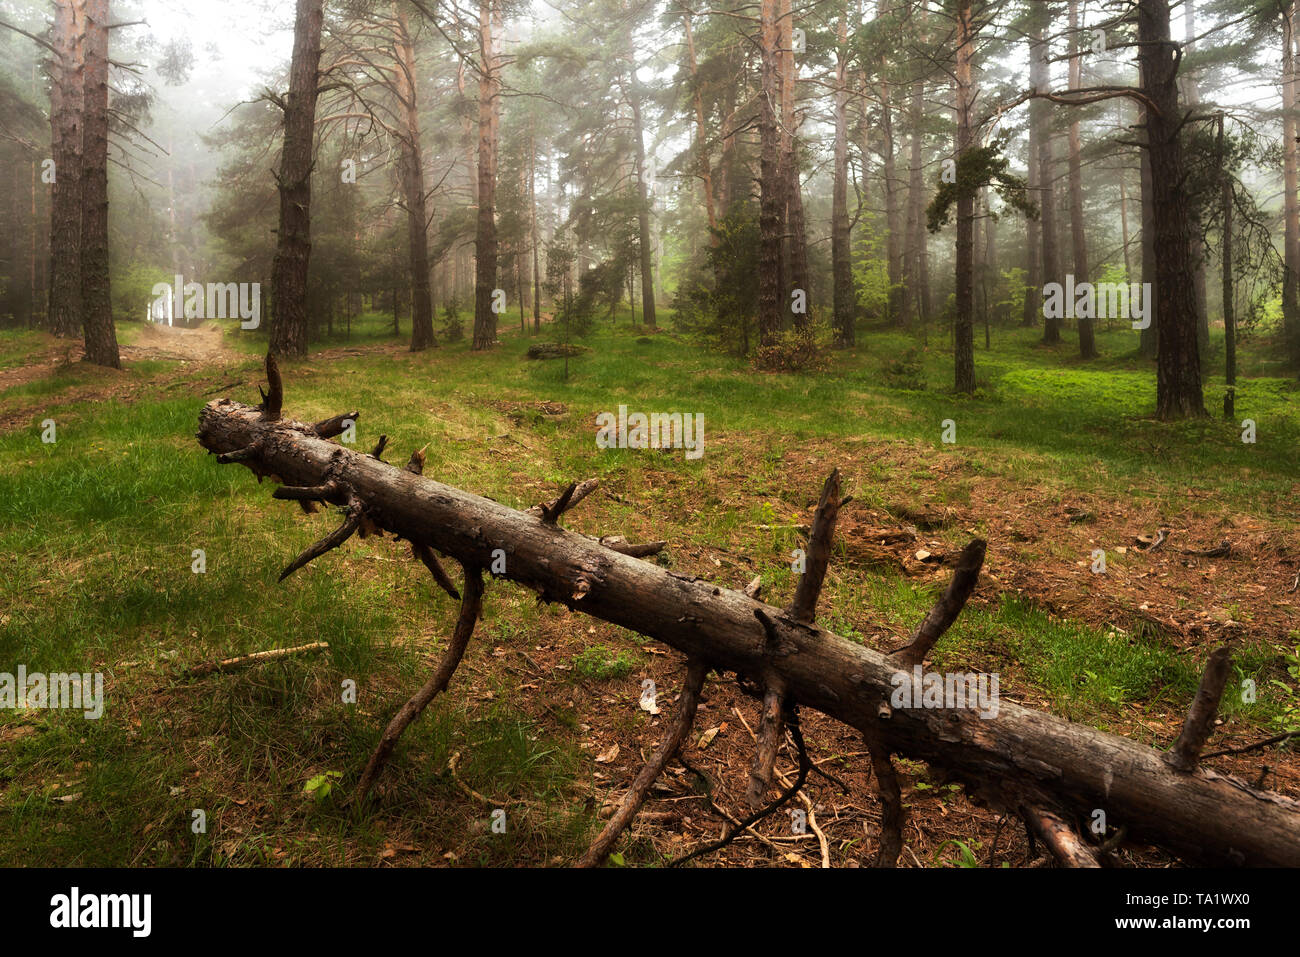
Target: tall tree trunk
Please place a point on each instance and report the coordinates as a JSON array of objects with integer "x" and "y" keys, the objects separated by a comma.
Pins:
[
  {"x": 1148, "y": 343},
  {"x": 1078, "y": 238},
  {"x": 841, "y": 257},
  {"x": 1229, "y": 307},
  {"x": 293, "y": 241},
  {"x": 1041, "y": 118},
  {"x": 1033, "y": 239},
  {"x": 485, "y": 243},
  {"x": 963, "y": 333},
  {"x": 96, "y": 297},
  {"x": 67, "y": 70},
  {"x": 893, "y": 218},
  {"x": 989, "y": 269},
  {"x": 916, "y": 259},
  {"x": 412, "y": 178},
  {"x": 704, "y": 170},
  {"x": 1290, "y": 199},
  {"x": 772, "y": 195},
  {"x": 643, "y": 201},
  {"x": 1192, "y": 93},
  {"x": 724, "y": 182},
  {"x": 1178, "y": 370},
  {"x": 1123, "y": 216},
  {"x": 532, "y": 226},
  {"x": 798, "y": 243}
]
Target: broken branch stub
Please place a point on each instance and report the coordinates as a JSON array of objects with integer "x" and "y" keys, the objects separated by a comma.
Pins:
[{"x": 1202, "y": 815}]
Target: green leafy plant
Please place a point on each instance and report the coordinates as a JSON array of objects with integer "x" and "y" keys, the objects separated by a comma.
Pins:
[
  {"x": 1289, "y": 719},
  {"x": 967, "y": 858},
  {"x": 321, "y": 786}
]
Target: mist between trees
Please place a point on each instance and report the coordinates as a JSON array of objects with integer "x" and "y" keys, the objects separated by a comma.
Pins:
[{"x": 779, "y": 179}]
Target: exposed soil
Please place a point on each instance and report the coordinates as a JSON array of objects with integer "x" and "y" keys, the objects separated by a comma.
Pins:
[
  {"x": 1190, "y": 590},
  {"x": 192, "y": 348}
]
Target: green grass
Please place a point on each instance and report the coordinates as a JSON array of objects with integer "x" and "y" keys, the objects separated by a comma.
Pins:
[{"x": 97, "y": 533}]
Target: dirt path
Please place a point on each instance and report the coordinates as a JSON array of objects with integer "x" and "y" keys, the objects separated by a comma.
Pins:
[
  {"x": 203, "y": 345},
  {"x": 191, "y": 348}
]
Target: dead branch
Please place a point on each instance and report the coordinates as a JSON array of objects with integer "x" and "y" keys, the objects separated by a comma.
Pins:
[
  {"x": 1066, "y": 846},
  {"x": 1186, "y": 751},
  {"x": 227, "y": 665},
  {"x": 470, "y": 607},
  {"x": 1204, "y": 816},
  {"x": 673, "y": 736},
  {"x": 946, "y": 610}
]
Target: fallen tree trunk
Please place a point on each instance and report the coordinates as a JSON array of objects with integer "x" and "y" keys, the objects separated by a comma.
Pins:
[{"x": 1019, "y": 759}]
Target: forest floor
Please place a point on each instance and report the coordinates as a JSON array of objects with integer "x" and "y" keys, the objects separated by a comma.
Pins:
[{"x": 1054, "y": 460}]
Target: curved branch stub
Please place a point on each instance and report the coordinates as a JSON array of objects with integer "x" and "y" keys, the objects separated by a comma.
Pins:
[
  {"x": 946, "y": 609},
  {"x": 355, "y": 514},
  {"x": 803, "y": 607},
  {"x": 273, "y": 401}
]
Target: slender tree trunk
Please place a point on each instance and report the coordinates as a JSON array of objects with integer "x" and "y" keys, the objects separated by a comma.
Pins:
[
  {"x": 724, "y": 181},
  {"x": 893, "y": 216},
  {"x": 412, "y": 178},
  {"x": 1193, "y": 96},
  {"x": 1229, "y": 307},
  {"x": 1041, "y": 117},
  {"x": 1178, "y": 370},
  {"x": 772, "y": 201},
  {"x": 67, "y": 70},
  {"x": 293, "y": 242},
  {"x": 1033, "y": 239},
  {"x": 798, "y": 243},
  {"x": 841, "y": 261},
  {"x": 643, "y": 203},
  {"x": 1123, "y": 220},
  {"x": 1078, "y": 238},
  {"x": 963, "y": 335},
  {"x": 532, "y": 225},
  {"x": 485, "y": 243},
  {"x": 1148, "y": 343},
  {"x": 96, "y": 297},
  {"x": 1290, "y": 178},
  {"x": 704, "y": 170},
  {"x": 990, "y": 264},
  {"x": 918, "y": 240}
]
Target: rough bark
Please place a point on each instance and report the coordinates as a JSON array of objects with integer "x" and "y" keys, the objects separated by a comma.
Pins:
[
  {"x": 1148, "y": 344},
  {"x": 1033, "y": 239},
  {"x": 1192, "y": 95},
  {"x": 485, "y": 241},
  {"x": 1005, "y": 760},
  {"x": 889, "y": 172},
  {"x": 96, "y": 298},
  {"x": 841, "y": 261},
  {"x": 411, "y": 174},
  {"x": 1178, "y": 369},
  {"x": 704, "y": 169},
  {"x": 794, "y": 215},
  {"x": 66, "y": 116},
  {"x": 963, "y": 331},
  {"x": 1228, "y": 287},
  {"x": 1078, "y": 237},
  {"x": 772, "y": 195},
  {"x": 1040, "y": 114},
  {"x": 916, "y": 302},
  {"x": 532, "y": 229},
  {"x": 1290, "y": 181},
  {"x": 643, "y": 202},
  {"x": 293, "y": 239}
]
